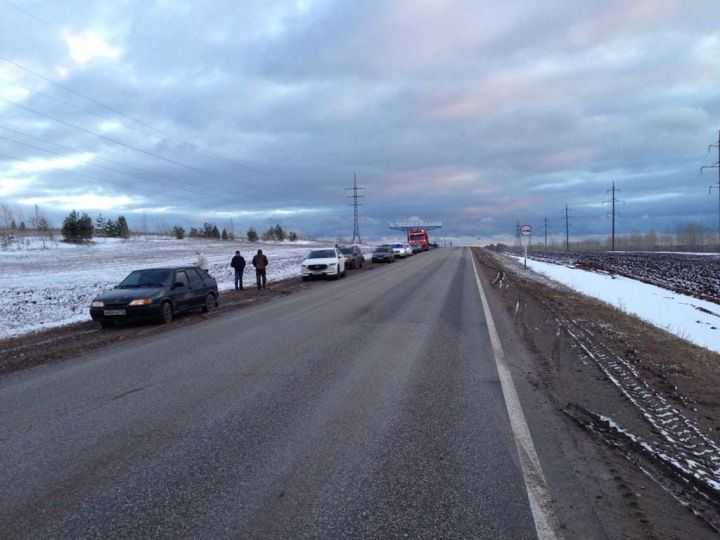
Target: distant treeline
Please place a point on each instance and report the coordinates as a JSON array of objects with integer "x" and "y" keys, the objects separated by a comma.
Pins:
[{"x": 689, "y": 236}]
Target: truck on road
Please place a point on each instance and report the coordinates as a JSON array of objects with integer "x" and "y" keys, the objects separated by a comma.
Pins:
[{"x": 418, "y": 237}]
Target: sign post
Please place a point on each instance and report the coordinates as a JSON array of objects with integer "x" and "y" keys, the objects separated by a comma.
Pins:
[{"x": 526, "y": 234}]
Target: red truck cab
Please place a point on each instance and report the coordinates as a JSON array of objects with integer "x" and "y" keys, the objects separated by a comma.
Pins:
[{"x": 419, "y": 237}]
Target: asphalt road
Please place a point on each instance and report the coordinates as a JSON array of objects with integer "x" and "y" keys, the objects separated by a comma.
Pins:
[{"x": 368, "y": 407}]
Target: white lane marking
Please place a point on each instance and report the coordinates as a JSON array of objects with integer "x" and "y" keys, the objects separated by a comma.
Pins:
[{"x": 535, "y": 484}]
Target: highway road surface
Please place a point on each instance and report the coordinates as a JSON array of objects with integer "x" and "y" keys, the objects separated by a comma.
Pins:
[{"x": 369, "y": 407}]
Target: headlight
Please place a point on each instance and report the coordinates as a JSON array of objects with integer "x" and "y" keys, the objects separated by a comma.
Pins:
[
  {"x": 140, "y": 302},
  {"x": 97, "y": 303},
  {"x": 304, "y": 265}
]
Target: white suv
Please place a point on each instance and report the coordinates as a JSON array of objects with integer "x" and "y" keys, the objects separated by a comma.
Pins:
[{"x": 329, "y": 262}]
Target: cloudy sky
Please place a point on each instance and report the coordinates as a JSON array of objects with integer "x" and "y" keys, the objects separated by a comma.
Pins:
[{"x": 478, "y": 114}]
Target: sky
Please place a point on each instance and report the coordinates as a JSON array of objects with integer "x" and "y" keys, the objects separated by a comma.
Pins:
[{"x": 477, "y": 114}]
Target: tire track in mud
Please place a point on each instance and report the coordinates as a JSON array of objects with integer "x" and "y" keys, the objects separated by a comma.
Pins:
[{"x": 683, "y": 452}]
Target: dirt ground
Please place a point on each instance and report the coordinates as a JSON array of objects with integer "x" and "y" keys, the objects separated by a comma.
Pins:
[
  {"x": 637, "y": 406},
  {"x": 640, "y": 405}
]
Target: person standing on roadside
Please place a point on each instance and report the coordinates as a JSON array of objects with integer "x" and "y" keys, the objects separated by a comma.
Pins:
[
  {"x": 238, "y": 263},
  {"x": 260, "y": 263},
  {"x": 201, "y": 260}
]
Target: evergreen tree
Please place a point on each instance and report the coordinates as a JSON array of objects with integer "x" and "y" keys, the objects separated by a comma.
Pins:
[
  {"x": 77, "y": 228},
  {"x": 292, "y": 236},
  {"x": 279, "y": 233},
  {"x": 215, "y": 233},
  {"x": 178, "y": 232},
  {"x": 194, "y": 233},
  {"x": 13, "y": 225},
  {"x": 269, "y": 234},
  {"x": 22, "y": 226},
  {"x": 252, "y": 235},
  {"x": 123, "y": 229},
  {"x": 224, "y": 234},
  {"x": 207, "y": 230},
  {"x": 110, "y": 228},
  {"x": 100, "y": 223}
]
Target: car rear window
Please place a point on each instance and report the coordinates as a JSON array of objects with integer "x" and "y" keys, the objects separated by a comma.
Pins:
[
  {"x": 145, "y": 278},
  {"x": 382, "y": 250},
  {"x": 346, "y": 251},
  {"x": 321, "y": 254}
]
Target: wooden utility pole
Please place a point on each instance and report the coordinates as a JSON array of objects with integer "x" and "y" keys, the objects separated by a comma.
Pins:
[{"x": 567, "y": 229}]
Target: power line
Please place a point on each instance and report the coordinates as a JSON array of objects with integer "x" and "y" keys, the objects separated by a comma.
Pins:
[
  {"x": 164, "y": 134},
  {"x": 355, "y": 204},
  {"x": 76, "y": 173},
  {"x": 203, "y": 194},
  {"x": 173, "y": 183}
]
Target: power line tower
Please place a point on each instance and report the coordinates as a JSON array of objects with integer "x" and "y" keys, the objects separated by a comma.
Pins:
[
  {"x": 355, "y": 204},
  {"x": 715, "y": 166},
  {"x": 613, "y": 201},
  {"x": 546, "y": 229}
]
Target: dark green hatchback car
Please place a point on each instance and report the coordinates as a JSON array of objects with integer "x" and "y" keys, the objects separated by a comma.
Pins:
[{"x": 156, "y": 294}]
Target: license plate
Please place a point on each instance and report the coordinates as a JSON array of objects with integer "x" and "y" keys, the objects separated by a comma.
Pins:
[{"x": 111, "y": 312}]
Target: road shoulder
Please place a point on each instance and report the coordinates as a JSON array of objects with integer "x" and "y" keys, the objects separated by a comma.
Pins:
[{"x": 600, "y": 488}]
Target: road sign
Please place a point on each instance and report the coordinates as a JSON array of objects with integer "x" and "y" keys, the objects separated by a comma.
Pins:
[{"x": 525, "y": 230}]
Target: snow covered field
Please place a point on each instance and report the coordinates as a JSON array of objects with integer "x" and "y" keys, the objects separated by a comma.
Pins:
[
  {"x": 44, "y": 288},
  {"x": 695, "y": 320}
]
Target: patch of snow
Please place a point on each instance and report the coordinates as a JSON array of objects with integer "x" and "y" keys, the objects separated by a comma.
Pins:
[{"x": 692, "y": 319}]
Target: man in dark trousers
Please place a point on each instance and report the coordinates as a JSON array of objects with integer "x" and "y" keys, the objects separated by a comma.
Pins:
[
  {"x": 260, "y": 263},
  {"x": 238, "y": 263}
]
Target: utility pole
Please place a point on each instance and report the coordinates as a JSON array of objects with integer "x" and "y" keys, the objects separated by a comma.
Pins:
[
  {"x": 546, "y": 234},
  {"x": 715, "y": 166},
  {"x": 517, "y": 234},
  {"x": 613, "y": 201},
  {"x": 567, "y": 228},
  {"x": 355, "y": 203}
]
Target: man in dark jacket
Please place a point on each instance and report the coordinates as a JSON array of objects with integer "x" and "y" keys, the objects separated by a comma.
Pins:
[
  {"x": 238, "y": 263},
  {"x": 260, "y": 263}
]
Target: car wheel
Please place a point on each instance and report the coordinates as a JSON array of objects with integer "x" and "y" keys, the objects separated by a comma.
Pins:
[
  {"x": 166, "y": 313},
  {"x": 210, "y": 303},
  {"x": 304, "y": 278}
]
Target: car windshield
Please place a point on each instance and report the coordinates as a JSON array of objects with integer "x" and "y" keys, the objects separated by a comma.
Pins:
[
  {"x": 346, "y": 251},
  {"x": 145, "y": 278},
  {"x": 382, "y": 250},
  {"x": 321, "y": 254},
  {"x": 397, "y": 245}
]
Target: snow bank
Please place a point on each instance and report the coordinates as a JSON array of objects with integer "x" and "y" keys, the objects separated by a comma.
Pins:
[{"x": 695, "y": 320}]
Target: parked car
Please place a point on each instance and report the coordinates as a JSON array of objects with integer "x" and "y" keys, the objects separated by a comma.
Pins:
[
  {"x": 408, "y": 250},
  {"x": 415, "y": 248},
  {"x": 353, "y": 257},
  {"x": 383, "y": 254},
  {"x": 399, "y": 250},
  {"x": 156, "y": 293},
  {"x": 323, "y": 263}
]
